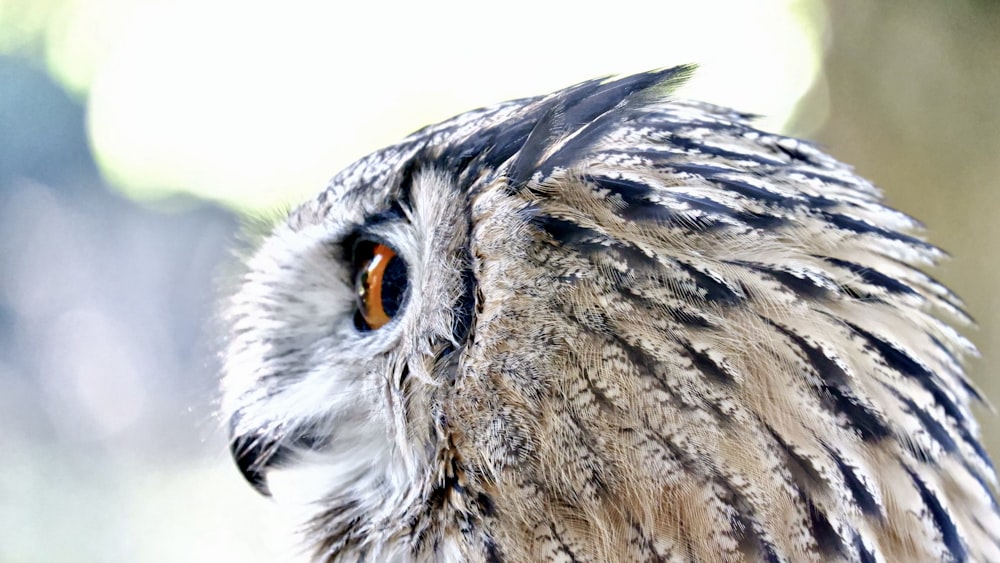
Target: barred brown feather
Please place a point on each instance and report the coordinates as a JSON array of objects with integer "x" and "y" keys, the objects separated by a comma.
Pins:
[{"x": 634, "y": 328}]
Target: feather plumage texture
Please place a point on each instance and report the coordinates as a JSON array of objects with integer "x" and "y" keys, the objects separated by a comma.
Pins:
[{"x": 636, "y": 328}]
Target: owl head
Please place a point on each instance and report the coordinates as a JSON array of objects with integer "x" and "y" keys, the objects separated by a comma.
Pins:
[{"x": 606, "y": 324}]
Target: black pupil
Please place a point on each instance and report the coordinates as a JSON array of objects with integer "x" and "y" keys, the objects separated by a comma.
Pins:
[{"x": 393, "y": 286}]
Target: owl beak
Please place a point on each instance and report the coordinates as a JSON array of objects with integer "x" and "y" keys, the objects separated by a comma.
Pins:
[
  {"x": 254, "y": 452},
  {"x": 252, "y": 455}
]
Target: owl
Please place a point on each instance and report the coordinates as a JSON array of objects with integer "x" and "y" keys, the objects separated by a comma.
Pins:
[{"x": 607, "y": 324}]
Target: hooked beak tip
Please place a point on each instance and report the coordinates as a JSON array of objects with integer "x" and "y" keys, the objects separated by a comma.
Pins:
[{"x": 253, "y": 455}]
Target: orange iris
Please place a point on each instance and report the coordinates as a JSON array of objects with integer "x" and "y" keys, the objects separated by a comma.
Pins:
[{"x": 369, "y": 287}]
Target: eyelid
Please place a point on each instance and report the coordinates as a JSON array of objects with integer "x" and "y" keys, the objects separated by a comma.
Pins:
[{"x": 366, "y": 235}]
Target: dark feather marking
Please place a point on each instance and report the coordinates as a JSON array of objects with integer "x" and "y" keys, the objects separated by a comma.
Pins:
[
  {"x": 715, "y": 291},
  {"x": 969, "y": 439},
  {"x": 650, "y": 212},
  {"x": 941, "y": 518},
  {"x": 491, "y": 149},
  {"x": 803, "y": 287},
  {"x": 966, "y": 385},
  {"x": 491, "y": 550},
  {"x": 751, "y": 536},
  {"x": 613, "y": 102},
  {"x": 706, "y": 365},
  {"x": 826, "y": 179},
  {"x": 761, "y": 221},
  {"x": 589, "y": 242},
  {"x": 861, "y": 227},
  {"x": 937, "y": 288},
  {"x": 864, "y": 556},
  {"x": 705, "y": 171},
  {"x": 873, "y": 277},
  {"x": 630, "y": 191},
  {"x": 711, "y": 173},
  {"x": 581, "y": 144},
  {"x": 652, "y": 368},
  {"x": 597, "y": 247},
  {"x": 687, "y": 317},
  {"x": 565, "y": 231},
  {"x": 948, "y": 354},
  {"x": 937, "y": 432},
  {"x": 989, "y": 491},
  {"x": 637, "y": 206},
  {"x": 336, "y": 538},
  {"x": 593, "y": 461},
  {"x": 744, "y": 524},
  {"x": 749, "y": 542},
  {"x": 646, "y": 544},
  {"x": 757, "y": 193},
  {"x": 821, "y": 202},
  {"x": 465, "y": 306},
  {"x": 829, "y": 542},
  {"x": 697, "y": 147},
  {"x": 919, "y": 452},
  {"x": 563, "y": 547},
  {"x": 633, "y": 257},
  {"x": 485, "y": 154},
  {"x": 869, "y": 424},
  {"x": 902, "y": 362},
  {"x": 404, "y": 193},
  {"x": 545, "y": 132},
  {"x": 588, "y": 110},
  {"x": 724, "y": 119},
  {"x": 277, "y": 352},
  {"x": 702, "y": 204},
  {"x": 600, "y": 398},
  {"x": 613, "y": 93},
  {"x": 794, "y": 151},
  {"x": 862, "y": 495},
  {"x": 803, "y": 471},
  {"x": 770, "y": 555},
  {"x": 640, "y": 264}
]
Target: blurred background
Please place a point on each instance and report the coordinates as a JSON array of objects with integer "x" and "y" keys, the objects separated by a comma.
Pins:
[{"x": 137, "y": 135}]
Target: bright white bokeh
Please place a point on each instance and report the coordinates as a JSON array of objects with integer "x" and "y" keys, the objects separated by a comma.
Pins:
[{"x": 258, "y": 103}]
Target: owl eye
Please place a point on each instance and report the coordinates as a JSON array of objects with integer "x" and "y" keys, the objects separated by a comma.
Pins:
[{"x": 380, "y": 284}]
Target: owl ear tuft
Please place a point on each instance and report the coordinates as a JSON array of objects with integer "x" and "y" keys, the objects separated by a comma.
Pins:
[{"x": 576, "y": 118}]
